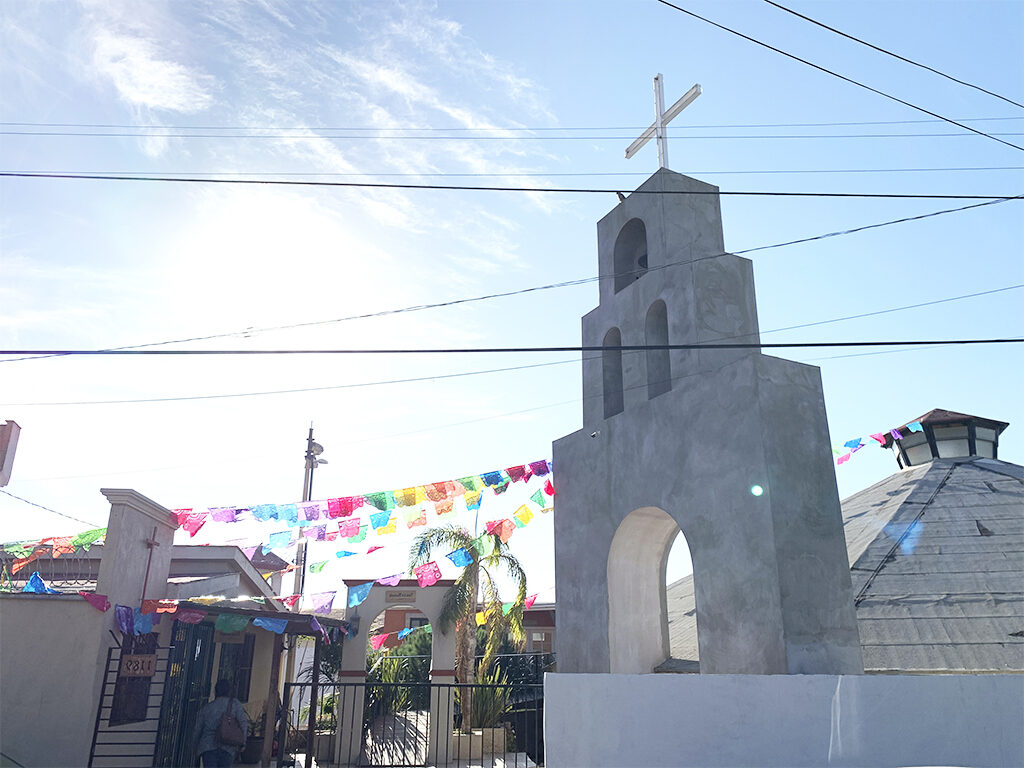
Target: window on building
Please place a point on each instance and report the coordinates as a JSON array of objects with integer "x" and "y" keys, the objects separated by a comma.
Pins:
[
  {"x": 659, "y": 365},
  {"x": 630, "y": 256},
  {"x": 611, "y": 364},
  {"x": 540, "y": 642},
  {"x": 236, "y": 665},
  {"x": 417, "y": 621}
]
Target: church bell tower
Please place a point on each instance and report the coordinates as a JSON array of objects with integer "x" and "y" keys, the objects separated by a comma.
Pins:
[{"x": 727, "y": 445}]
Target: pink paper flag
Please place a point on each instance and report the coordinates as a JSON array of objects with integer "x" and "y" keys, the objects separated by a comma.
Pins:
[
  {"x": 290, "y": 601},
  {"x": 390, "y": 581},
  {"x": 343, "y": 507},
  {"x": 190, "y": 615},
  {"x": 99, "y": 602},
  {"x": 515, "y": 474},
  {"x": 191, "y": 521},
  {"x": 349, "y": 528},
  {"x": 377, "y": 641},
  {"x": 530, "y": 601},
  {"x": 879, "y": 437},
  {"x": 844, "y": 458},
  {"x": 428, "y": 573},
  {"x": 373, "y": 549},
  {"x": 505, "y": 530}
]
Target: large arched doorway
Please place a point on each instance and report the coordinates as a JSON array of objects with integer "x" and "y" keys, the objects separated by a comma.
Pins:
[{"x": 638, "y": 611}]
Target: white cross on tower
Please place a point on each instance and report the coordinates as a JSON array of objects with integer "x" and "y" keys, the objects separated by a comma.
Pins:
[{"x": 661, "y": 119}]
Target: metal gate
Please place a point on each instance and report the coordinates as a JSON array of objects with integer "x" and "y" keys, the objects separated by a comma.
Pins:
[
  {"x": 128, "y": 715},
  {"x": 144, "y": 720},
  {"x": 189, "y": 669},
  {"x": 401, "y": 725}
]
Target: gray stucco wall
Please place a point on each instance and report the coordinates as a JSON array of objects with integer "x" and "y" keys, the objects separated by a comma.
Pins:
[{"x": 771, "y": 577}]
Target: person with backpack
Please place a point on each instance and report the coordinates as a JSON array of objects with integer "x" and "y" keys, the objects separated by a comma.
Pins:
[{"x": 221, "y": 728}]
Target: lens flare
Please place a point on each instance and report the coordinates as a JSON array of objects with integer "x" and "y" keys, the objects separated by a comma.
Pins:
[{"x": 756, "y": 490}]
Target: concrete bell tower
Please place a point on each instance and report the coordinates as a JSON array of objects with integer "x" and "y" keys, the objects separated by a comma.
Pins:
[{"x": 728, "y": 445}]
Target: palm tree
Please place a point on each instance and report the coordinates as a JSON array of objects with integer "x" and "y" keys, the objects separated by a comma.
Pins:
[{"x": 461, "y": 600}]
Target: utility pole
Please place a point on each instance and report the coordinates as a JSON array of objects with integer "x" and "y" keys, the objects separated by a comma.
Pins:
[{"x": 313, "y": 451}]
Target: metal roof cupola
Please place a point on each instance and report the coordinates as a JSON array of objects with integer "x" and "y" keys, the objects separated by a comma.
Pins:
[{"x": 945, "y": 435}]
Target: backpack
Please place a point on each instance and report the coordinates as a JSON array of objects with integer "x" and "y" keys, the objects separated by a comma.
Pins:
[{"x": 230, "y": 731}]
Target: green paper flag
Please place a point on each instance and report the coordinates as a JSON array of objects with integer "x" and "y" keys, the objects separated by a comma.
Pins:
[
  {"x": 483, "y": 544},
  {"x": 470, "y": 483},
  {"x": 382, "y": 500},
  {"x": 19, "y": 549},
  {"x": 359, "y": 536},
  {"x": 538, "y": 499},
  {"x": 231, "y": 622},
  {"x": 506, "y": 607},
  {"x": 85, "y": 540},
  {"x": 318, "y": 567}
]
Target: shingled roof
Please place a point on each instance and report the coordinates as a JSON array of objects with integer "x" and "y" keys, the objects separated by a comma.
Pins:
[{"x": 937, "y": 565}]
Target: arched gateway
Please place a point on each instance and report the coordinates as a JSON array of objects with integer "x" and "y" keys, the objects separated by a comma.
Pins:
[
  {"x": 733, "y": 450},
  {"x": 428, "y": 601}
]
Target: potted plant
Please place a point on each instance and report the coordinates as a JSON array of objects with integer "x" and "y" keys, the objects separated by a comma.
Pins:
[{"x": 253, "y": 750}]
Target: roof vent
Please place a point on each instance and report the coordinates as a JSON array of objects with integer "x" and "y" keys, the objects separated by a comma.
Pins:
[{"x": 946, "y": 435}]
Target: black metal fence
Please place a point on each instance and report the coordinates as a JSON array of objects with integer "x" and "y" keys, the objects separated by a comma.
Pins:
[
  {"x": 127, "y": 721},
  {"x": 414, "y": 724}
]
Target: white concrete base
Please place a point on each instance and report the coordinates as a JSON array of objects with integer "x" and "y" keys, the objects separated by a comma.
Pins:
[
  {"x": 483, "y": 741},
  {"x": 783, "y": 720}
]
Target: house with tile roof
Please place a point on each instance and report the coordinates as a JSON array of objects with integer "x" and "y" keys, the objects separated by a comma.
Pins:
[{"x": 936, "y": 555}]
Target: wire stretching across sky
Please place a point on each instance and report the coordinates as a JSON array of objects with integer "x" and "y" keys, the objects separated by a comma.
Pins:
[
  {"x": 503, "y": 350},
  {"x": 54, "y": 511},
  {"x": 532, "y": 174},
  {"x": 471, "y": 188},
  {"x": 432, "y": 137},
  {"x": 508, "y": 369},
  {"x": 894, "y": 55},
  {"x": 549, "y": 286},
  {"x": 836, "y": 74},
  {"x": 465, "y": 129}
]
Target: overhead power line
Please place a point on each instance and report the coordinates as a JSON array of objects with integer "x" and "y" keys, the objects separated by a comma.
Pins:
[
  {"x": 54, "y": 511},
  {"x": 408, "y": 137},
  {"x": 470, "y": 188},
  {"x": 549, "y": 286},
  {"x": 463, "y": 374},
  {"x": 836, "y": 74},
  {"x": 493, "y": 350},
  {"x": 459, "y": 128},
  {"x": 516, "y": 174},
  {"x": 894, "y": 55}
]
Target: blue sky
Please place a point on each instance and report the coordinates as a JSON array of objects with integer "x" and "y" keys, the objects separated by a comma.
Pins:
[{"x": 523, "y": 94}]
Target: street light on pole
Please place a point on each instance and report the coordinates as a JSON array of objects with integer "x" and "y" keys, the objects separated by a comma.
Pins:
[
  {"x": 313, "y": 451},
  {"x": 313, "y": 460}
]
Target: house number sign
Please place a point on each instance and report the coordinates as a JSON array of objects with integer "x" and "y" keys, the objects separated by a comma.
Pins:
[{"x": 138, "y": 665}]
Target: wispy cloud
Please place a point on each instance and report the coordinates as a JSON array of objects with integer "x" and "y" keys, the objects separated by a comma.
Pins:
[{"x": 144, "y": 77}]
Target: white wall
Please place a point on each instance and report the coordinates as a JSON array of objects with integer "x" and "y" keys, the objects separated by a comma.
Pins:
[
  {"x": 783, "y": 720},
  {"x": 49, "y": 645}
]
